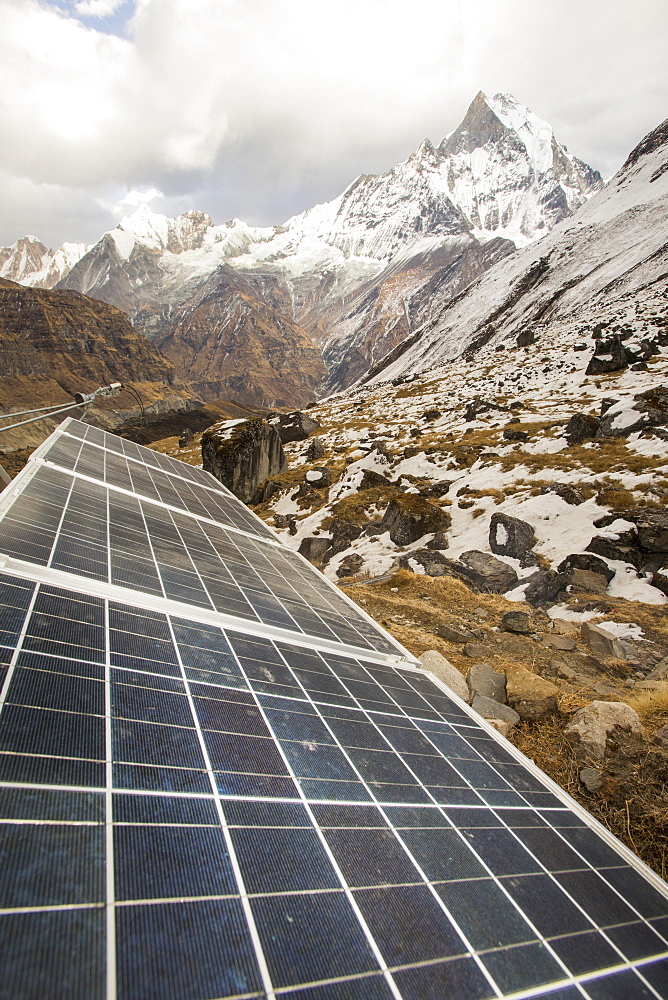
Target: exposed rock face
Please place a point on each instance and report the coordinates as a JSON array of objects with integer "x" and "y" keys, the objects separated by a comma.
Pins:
[
  {"x": 591, "y": 726},
  {"x": 243, "y": 455},
  {"x": 226, "y": 341},
  {"x": 509, "y": 536},
  {"x": 409, "y": 517},
  {"x": 57, "y": 343},
  {"x": 295, "y": 426}
]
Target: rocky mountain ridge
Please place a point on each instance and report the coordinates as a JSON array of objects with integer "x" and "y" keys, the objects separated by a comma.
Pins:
[{"x": 354, "y": 274}]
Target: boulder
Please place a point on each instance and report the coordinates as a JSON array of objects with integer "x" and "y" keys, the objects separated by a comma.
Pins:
[
  {"x": 432, "y": 562},
  {"x": 315, "y": 450},
  {"x": 490, "y": 709},
  {"x": 450, "y": 634},
  {"x": 483, "y": 680},
  {"x": 343, "y": 533},
  {"x": 648, "y": 409},
  {"x": 243, "y": 455},
  {"x": 320, "y": 477},
  {"x": 591, "y": 725},
  {"x": 516, "y": 621},
  {"x": 591, "y": 779},
  {"x": 544, "y": 586},
  {"x": 314, "y": 547},
  {"x": 475, "y": 651},
  {"x": 409, "y": 517},
  {"x": 622, "y": 545},
  {"x": 509, "y": 536},
  {"x": 267, "y": 490},
  {"x": 510, "y": 434},
  {"x": 601, "y": 642},
  {"x": 569, "y": 494},
  {"x": 478, "y": 406},
  {"x": 487, "y": 573},
  {"x": 652, "y": 528},
  {"x": 587, "y": 562},
  {"x": 581, "y": 427},
  {"x": 660, "y": 581},
  {"x": 431, "y": 414},
  {"x": 564, "y": 642},
  {"x": 295, "y": 426},
  {"x": 437, "y": 664},
  {"x": 584, "y": 581},
  {"x": 187, "y": 438},
  {"x": 531, "y": 696},
  {"x": 372, "y": 480},
  {"x": 350, "y": 565},
  {"x": 608, "y": 356},
  {"x": 438, "y": 542}
]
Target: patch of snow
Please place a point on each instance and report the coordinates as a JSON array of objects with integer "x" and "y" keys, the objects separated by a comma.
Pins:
[
  {"x": 561, "y": 613},
  {"x": 625, "y": 630}
]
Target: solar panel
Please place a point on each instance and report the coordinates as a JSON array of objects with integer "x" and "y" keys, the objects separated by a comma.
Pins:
[{"x": 197, "y": 806}]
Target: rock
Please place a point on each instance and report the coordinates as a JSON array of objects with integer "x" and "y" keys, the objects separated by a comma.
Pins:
[
  {"x": 660, "y": 671},
  {"x": 350, "y": 565},
  {"x": 187, "y": 438},
  {"x": 474, "y": 650},
  {"x": 481, "y": 613},
  {"x": 608, "y": 356},
  {"x": 566, "y": 673},
  {"x": 487, "y": 573},
  {"x": 315, "y": 450},
  {"x": 588, "y": 562},
  {"x": 509, "y": 536},
  {"x": 343, "y": 533},
  {"x": 513, "y": 435},
  {"x": 483, "y": 680},
  {"x": 516, "y": 621},
  {"x": 649, "y": 409},
  {"x": 320, "y": 477},
  {"x": 652, "y": 528},
  {"x": 622, "y": 545},
  {"x": 490, "y": 709},
  {"x": 478, "y": 406},
  {"x": 531, "y": 696},
  {"x": 661, "y": 737},
  {"x": 267, "y": 490},
  {"x": 373, "y": 527},
  {"x": 660, "y": 581},
  {"x": 295, "y": 426},
  {"x": 564, "y": 642},
  {"x": 501, "y": 727},
  {"x": 569, "y": 494},
  {"x": 371, "y": 480},
  {"x": 600, "y": 641},
  {"x": 607, "y": 403},
  {"x": 243, "y": 455},
  {"x": 431, "y": 414},
  {"x": 591, "y": 779},
  {"x": 591, "y": 726},
  {"x": 438, "y": 665},
  {"x": 544, "y": 586},
  {"x": 314, "y": 547},
  {"x": 452, "y": 634},
  {"x": 432, "y": 562},
  {"x": 588, "y": 582},
  {"x": 581, "y": 427},
  {"x": 438, "y": 542},
  {"x": 409, "y": 517}
]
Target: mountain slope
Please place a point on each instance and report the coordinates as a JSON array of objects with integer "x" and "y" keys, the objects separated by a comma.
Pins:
[
  {"x": 355, "y": 273},
  {"x": 605, "y": 268}
]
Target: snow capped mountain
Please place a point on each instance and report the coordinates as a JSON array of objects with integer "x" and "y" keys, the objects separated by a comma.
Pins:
[
  {"x": 602, "y": 269},
  {"x": 355, "y": 274},
  {"x": 29, "y": 262}
]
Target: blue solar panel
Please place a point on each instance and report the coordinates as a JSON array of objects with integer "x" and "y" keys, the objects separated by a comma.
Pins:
[{"x": 194, "y": 807}]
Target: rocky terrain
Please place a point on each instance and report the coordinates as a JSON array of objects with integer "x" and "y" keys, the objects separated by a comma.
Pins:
[
  {"x": 57, "y": 343},
  {"x": 275, "y": 316}
]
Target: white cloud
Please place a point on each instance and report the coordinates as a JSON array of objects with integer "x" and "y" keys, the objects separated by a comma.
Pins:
[{"x": 261, "y": 108}]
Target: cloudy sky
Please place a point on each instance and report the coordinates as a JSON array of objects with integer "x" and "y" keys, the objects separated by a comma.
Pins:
[{"x": 261, "y": 108}]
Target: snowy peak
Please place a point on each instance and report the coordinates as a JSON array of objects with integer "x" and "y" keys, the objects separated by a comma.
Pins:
[
  {"x": 30, "y": 262},
  {"x": 508, "y": 173},
  {"x": 186, "y": 232}
]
